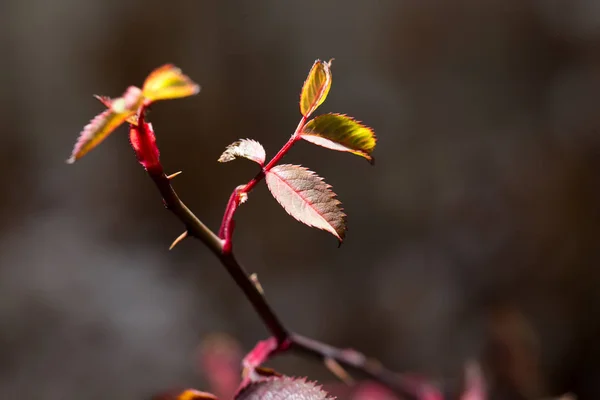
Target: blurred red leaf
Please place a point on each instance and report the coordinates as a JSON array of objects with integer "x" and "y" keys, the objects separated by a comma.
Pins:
[{"x": 220, "y": 359}]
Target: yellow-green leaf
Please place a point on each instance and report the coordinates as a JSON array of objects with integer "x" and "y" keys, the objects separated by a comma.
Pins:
[
  {"x": 316, "y": 87},
  {"x": 105, "y": 123},
  {"x": 168, "y": 82},
  {"x": 342, "y": 133}
]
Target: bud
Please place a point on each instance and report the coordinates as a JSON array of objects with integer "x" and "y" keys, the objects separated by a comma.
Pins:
[{"x": 143, "y": 142}]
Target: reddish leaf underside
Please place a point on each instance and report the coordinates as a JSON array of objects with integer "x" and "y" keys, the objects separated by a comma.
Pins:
[
  {"x": 305, "y": 196},
  {"x": 247, "y": 148},
  {"x": 283, "y": 388},
  {"x": 315, "y": 88},
  {"x": 342, "y": 133}
]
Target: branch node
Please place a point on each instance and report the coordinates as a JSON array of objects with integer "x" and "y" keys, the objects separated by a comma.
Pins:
[{"x": 178, "y": 240}]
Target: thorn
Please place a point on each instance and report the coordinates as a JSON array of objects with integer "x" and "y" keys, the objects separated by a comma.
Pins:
[
  {"x": 257, "y": 285},
  {"x": 339, "y": 371},
  {"x": 174, "y": 175},
  {"x": 178, "y": 240}
]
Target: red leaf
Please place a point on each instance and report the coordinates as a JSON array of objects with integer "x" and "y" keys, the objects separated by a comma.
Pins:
[
  {"x": 305, "y": 196},
  {"x": 283, "y": 388},
  {"x": 220, "y": 357}
]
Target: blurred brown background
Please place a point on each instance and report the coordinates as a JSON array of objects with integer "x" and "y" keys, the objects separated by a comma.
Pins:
[{"x": 476, "y": 235}]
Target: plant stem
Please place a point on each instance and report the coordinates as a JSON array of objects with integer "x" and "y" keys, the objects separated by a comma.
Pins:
[
  {"x": 221, "y": 247},
  {"x": 197, "y": 229},
  {"x": 227, "y": 225},
  {"x": 297, "y": 343}
]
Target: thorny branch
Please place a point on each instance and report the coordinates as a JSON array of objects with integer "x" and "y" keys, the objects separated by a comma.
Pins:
[{"x": 284, "y": 339}]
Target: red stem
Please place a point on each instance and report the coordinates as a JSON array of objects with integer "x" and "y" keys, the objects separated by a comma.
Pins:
[{"x": 228, "y": 224}]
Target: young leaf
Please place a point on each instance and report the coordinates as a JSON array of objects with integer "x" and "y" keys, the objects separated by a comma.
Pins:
[
  {"x": 106, "y": 122},
  {"x": 342, "y": 133},
  {"x": 168, "y": 82},
  {"x": 283, "y": 388},
  {"x": 305, "y": 196},
  {"x": 107, "y": 101},
  {"x": 247, "y": 148},
  {"x": 316, "y": 87}
]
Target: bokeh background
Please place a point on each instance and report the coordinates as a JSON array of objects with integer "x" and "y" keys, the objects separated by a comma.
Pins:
[{"x": 475, "y": 236}]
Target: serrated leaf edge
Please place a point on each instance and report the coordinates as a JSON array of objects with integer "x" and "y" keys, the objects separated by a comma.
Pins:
[
  {"x": 291, "y": 379},
  {"x": 307, "y": 135},
  {"x": 332, "y": 195}
]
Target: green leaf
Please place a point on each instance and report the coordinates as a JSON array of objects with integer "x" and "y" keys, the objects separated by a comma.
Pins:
[
  {"x": 342, "y": 133},
  {"x": 316, "y": 87},
  {"x": 247, "y": 148},
  {"x": 105, "y": 123},
  {"x": 305, "y": 196},
  {"x": 168, "y": 82}
]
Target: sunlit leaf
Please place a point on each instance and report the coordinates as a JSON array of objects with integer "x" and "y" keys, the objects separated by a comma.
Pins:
[
  {"x": 342, "y": 133},
  {"x": 247, "y": 148},
  {"x": 107, "y": 101},
  {"x": 168, "y": 82},
  {"x": 283, "y": 388},
  {"x": 316, "y": 87},
  {"x": 105, "y": 123},
  {"x": 305, "y": 196}
]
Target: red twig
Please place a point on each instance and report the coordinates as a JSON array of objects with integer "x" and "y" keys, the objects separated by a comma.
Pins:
[
  {"x": 220, "y": 246},
  {"x": 241, "y": 192}
]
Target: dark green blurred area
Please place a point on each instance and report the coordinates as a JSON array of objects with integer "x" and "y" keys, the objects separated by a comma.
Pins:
[{"x": 475, "y": 236}]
